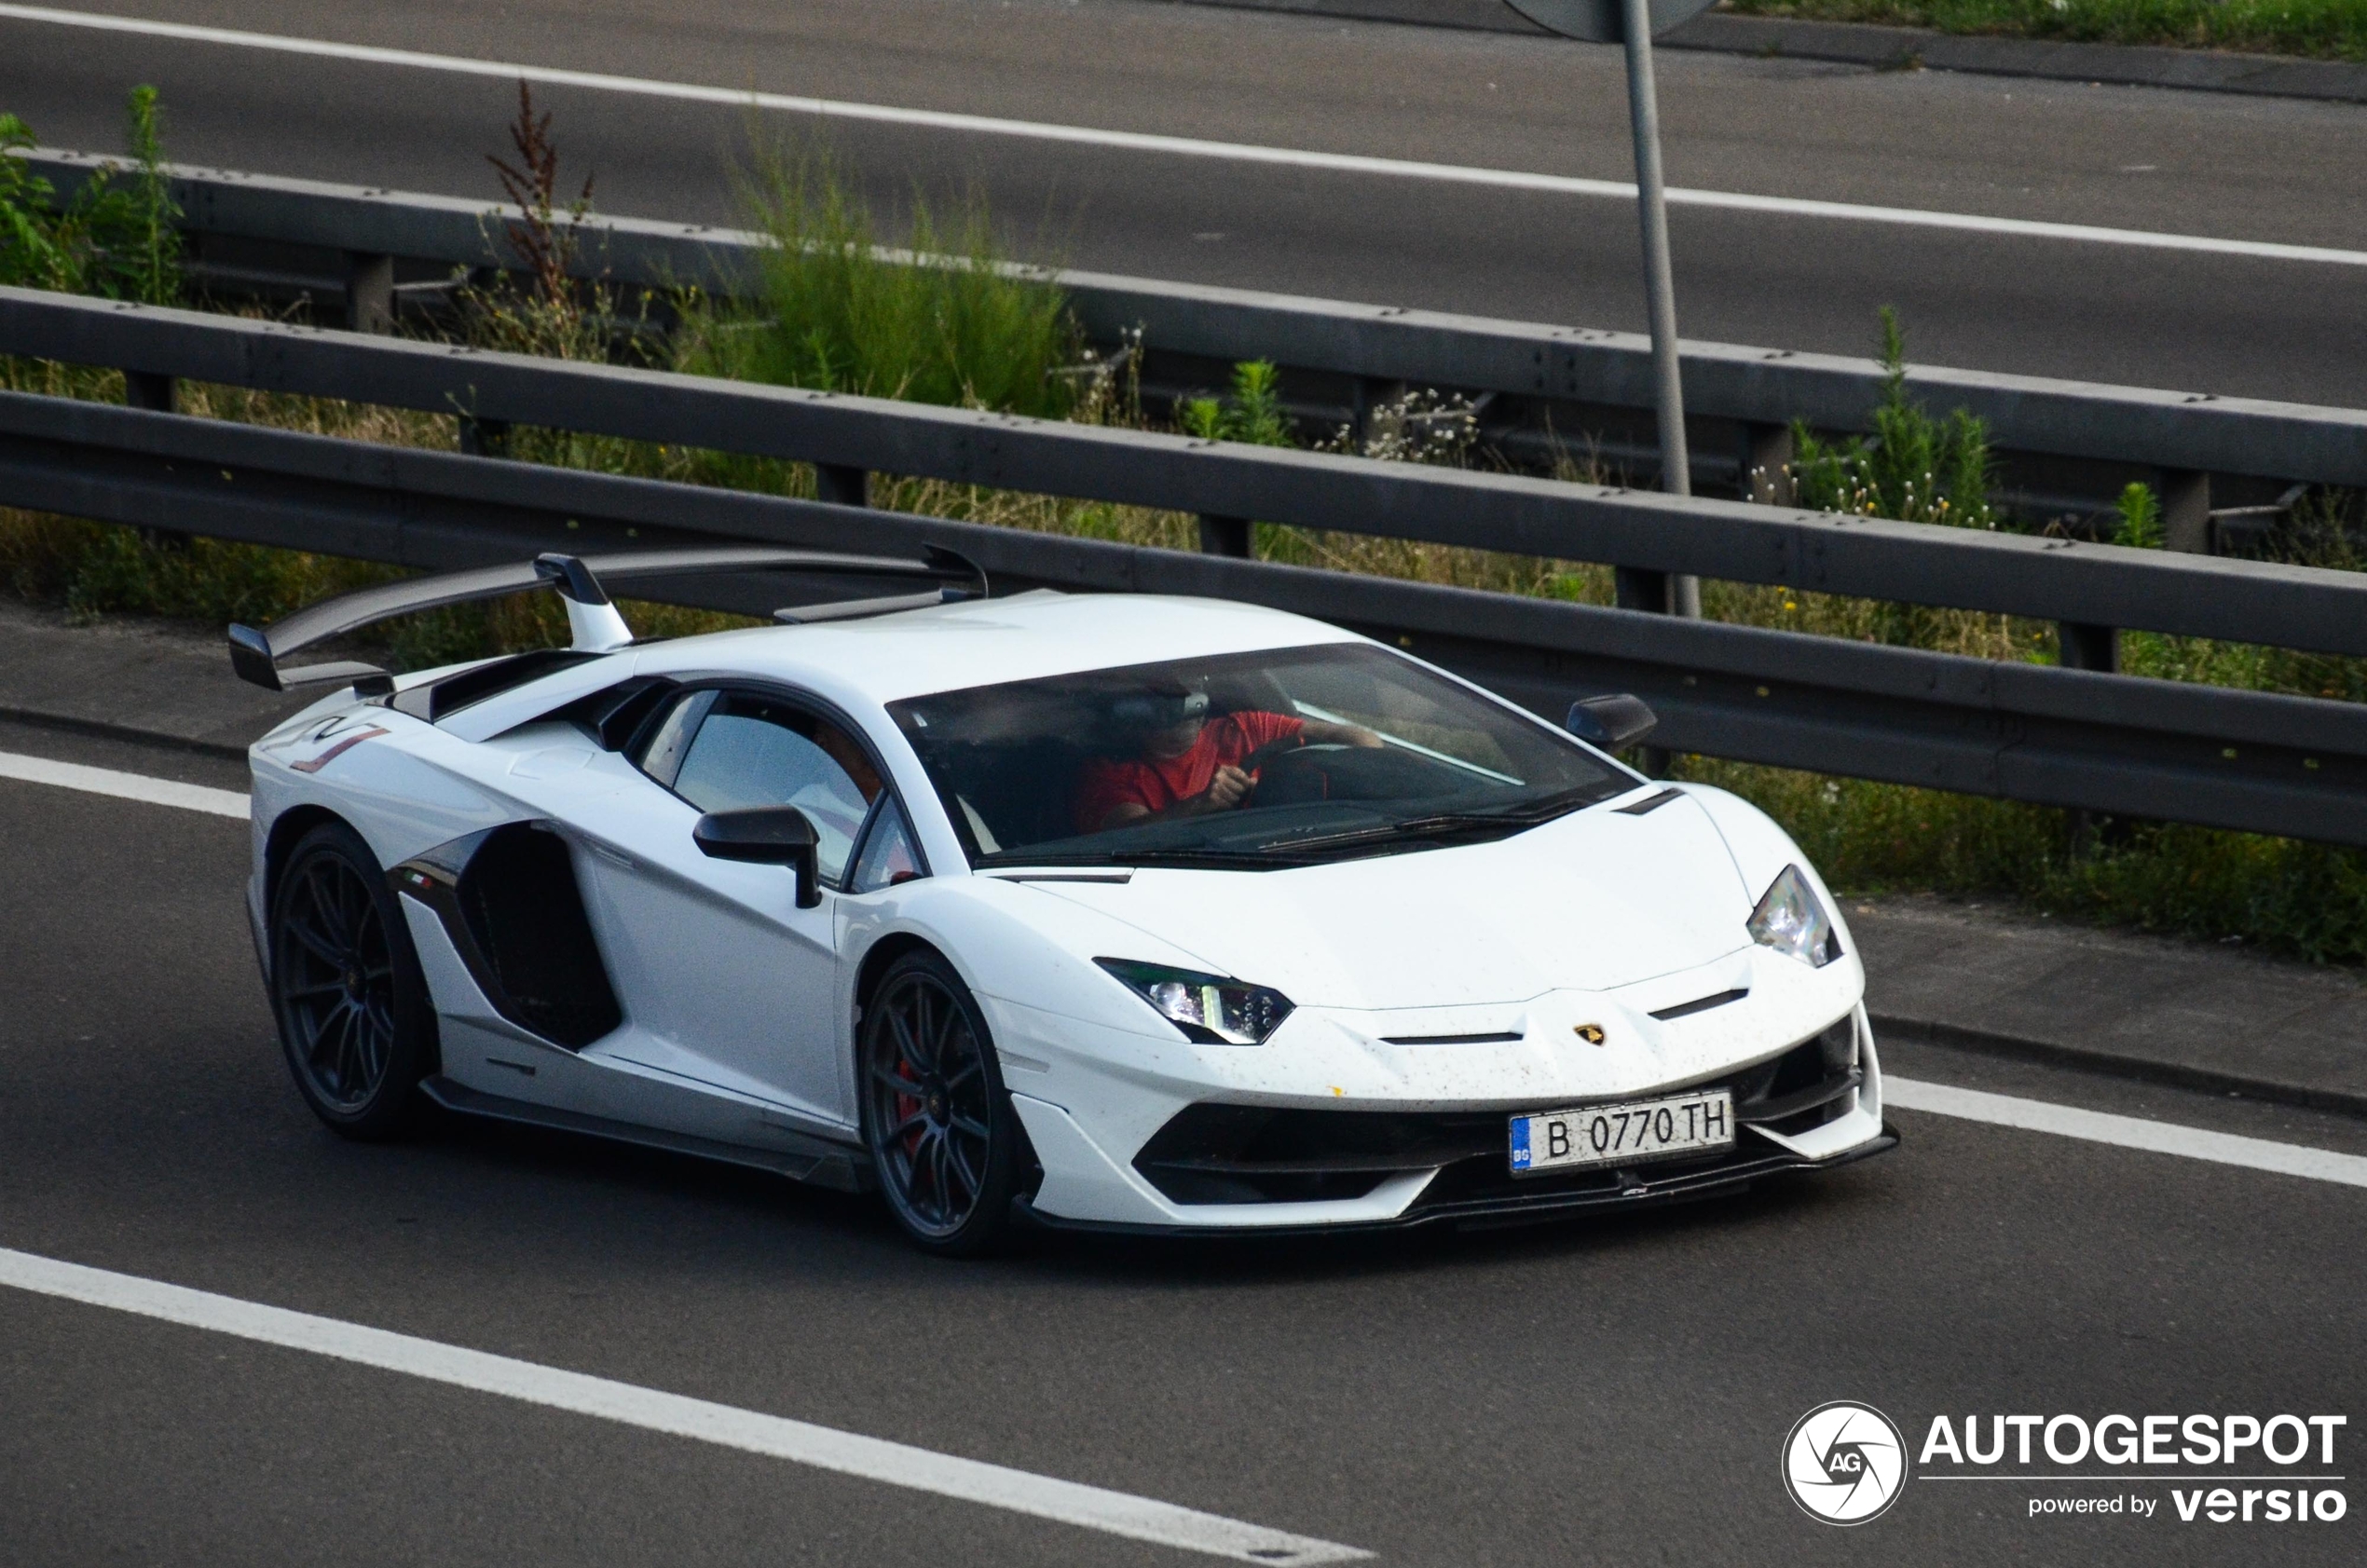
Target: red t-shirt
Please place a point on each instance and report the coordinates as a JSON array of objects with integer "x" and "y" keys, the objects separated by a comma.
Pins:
[{"x": 1109, "y": 782}]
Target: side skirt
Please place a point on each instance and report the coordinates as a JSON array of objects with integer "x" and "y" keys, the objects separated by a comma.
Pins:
[{"x": 808, "y": 1159}]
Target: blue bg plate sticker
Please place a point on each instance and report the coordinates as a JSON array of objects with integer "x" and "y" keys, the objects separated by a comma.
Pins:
[{"x": 1622, "y": 1134}]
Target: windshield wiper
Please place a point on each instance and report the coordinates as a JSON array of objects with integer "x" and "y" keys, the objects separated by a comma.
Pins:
[
  {"x": 1526, "y": 815},
  {"x": 1255, "y": 858}
]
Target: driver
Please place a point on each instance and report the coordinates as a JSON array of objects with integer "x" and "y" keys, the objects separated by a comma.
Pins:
[{"x": 1188, "y": 763}]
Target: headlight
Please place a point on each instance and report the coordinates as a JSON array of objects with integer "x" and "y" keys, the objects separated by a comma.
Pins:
[
  {"x": 1207, "y": 1008},
  {"x": 1790, "y": 920}
]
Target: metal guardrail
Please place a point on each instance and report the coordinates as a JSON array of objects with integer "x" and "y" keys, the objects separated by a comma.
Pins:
[
  {"x": 2112, "y": 744},
  {"x": 2184, "y": 438},
  {"x": 2081, "y": 585}
]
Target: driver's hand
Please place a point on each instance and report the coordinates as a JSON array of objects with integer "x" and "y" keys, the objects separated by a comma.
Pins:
[{"x": 1228, "y": 790}]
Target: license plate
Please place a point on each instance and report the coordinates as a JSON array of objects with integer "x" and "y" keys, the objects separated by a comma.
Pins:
[{"x": 1617, "y": 1134}]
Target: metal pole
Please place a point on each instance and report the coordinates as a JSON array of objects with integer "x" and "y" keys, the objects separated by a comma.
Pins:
[{"x": 1660, "y": 286}]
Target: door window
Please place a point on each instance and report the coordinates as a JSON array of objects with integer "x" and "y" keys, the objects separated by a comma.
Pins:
[
  {"x": 750, "y": 750},
  {"x": 889, "y": 854},
  {"x": 662, "y": 757}
]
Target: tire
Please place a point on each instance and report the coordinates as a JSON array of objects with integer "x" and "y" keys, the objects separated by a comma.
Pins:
[
  {"x": 945, "y": 1141},
  {"x": 355, "y": 1020}
]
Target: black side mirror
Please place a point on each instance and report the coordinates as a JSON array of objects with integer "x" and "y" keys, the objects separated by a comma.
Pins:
[
  {"x": 1609, "y": 723},
  {"x": 767, "y": 836}
]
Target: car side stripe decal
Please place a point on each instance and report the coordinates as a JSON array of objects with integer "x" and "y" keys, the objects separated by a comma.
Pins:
[{"x": 314, "y": 764}]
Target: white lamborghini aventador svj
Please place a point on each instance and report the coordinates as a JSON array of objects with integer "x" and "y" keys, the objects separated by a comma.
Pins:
[{"x": 1105, "y": 911}]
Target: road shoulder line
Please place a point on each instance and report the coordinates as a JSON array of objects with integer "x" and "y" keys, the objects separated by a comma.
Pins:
[
  {"x": 123, "y": 786},
  {"x": 1091, "y": 1507},
  {"x": 2125, "y": 1132}
]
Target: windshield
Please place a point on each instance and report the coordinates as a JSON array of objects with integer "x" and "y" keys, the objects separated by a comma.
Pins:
[{"x": 1263, "y": 759}]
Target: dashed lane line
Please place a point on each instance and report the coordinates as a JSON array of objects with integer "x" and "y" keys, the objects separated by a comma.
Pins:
[
  {"x": 800, "y": 1442},
  {"x": 1180, "y": 146}
]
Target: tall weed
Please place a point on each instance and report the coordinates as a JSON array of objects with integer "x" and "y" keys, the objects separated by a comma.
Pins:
[
  {"x": 1254, "y": 414},
  {"x": 1914, "y": 469},
  {"x": 836, "y": 314},
  {"x": 115, "y": 238}
]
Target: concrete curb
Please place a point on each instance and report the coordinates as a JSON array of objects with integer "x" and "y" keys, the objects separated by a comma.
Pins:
[
  {"x": 2266, "y": 75},
  {"x": 122, "y": 679},
  {"x": 34, "y": 718},
  {"x": 2118, "y": 1064},
  {"x": 2121, "y": 64}
]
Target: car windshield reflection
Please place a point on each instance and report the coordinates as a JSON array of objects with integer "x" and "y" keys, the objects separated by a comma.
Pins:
[{"x": 1287, "y": 756}]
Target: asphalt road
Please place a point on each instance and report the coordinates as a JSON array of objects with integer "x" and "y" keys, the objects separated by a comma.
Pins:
[
  {"x": 1598, "y": 1392},
  {"x": 2132, "y": 157}
]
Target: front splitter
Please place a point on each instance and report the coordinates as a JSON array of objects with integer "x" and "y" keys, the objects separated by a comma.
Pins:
[{"x": 1503, "y": 1211}]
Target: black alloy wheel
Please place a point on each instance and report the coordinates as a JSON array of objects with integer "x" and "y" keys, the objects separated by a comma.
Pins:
[
  {"x": 944, "y": 1139},
  {"x": 352, "y": 1006}
]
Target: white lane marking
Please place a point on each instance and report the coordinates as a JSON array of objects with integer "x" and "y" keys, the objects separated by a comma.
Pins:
[
  {"x": 2126, "y": 1132},
  {"x": 1183, "y": 146},
  {"x": 1091, "y": 1507},
  {"x": 128, "y": 786}
]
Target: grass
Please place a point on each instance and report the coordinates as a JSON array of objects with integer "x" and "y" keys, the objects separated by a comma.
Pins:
[
  {"x": 115, "y": 239},
  {"x": 977, "y": 334},
  {"x": 2325, "y": 29},
  {"x": 832, "y": 312}
]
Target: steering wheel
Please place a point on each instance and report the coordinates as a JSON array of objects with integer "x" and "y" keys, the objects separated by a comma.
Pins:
[
  {"x": 1289, "y": 772},
  {"x": 1266, "y": 754}
]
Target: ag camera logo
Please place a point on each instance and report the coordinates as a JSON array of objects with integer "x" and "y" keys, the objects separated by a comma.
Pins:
[{"x": 1844, "y": 1463}]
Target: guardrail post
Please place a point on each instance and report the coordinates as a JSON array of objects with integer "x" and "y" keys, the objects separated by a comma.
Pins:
[
  {"x": 1632, "y": 588},
  {"x": 1654, "y": 592},
  {"x": 1224, "y": 536},
  {"x": 483, "y": 438},
  {"x": 369, "y": 291},
  {"x": 841, "y": 484},
  {"x": 2083, "y": 647},
  {"x": 1767, "y": 452},
  {"x": 145, "y": 390},
  {"x": 2080, "y": 646},
  {"x": 1374, "y": 393},
  {"x": 2186, "y": 510}
]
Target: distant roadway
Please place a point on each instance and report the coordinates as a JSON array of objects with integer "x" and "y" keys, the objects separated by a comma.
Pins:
[{"x": 2191, "y": 163}]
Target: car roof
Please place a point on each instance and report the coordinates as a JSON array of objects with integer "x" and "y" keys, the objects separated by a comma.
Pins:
[{"x": 989, "y": 642}]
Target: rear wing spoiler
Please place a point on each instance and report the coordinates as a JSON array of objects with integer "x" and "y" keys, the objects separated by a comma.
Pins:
[{"x": 593, "y": 621}]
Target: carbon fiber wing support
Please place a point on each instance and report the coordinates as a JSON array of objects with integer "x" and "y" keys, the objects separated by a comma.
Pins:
[{"x": 592, "y": 621}]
